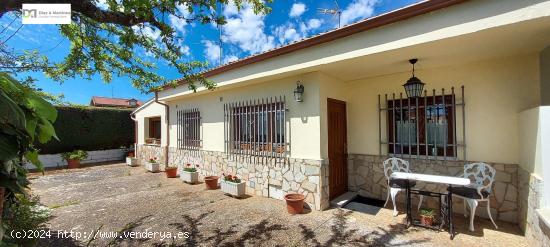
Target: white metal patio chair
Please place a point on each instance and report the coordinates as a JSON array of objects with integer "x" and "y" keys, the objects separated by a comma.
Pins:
[
  {"x": 482, "y": 176},
  {"x": 392, "y": 165}
]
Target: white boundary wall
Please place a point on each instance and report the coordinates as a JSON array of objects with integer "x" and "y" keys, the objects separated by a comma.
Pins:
[{"x": 55, "y": 160}]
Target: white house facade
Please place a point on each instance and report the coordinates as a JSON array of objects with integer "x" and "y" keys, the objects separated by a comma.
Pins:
[{"x": 486, "y": 98}]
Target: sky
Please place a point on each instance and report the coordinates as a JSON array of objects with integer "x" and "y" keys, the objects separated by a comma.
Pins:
[{"x": 244, "y": 34}]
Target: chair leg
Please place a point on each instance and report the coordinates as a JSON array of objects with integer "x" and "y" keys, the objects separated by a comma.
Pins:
[
  {"x": 387, "y": 197},
  {"x": 420, "y": 199},
  {"x": 489, "y": 213},
  {"x": 473, "y": 205},
  {"x": 465, "y": 208},
  {"x": 394, "y": 192}
]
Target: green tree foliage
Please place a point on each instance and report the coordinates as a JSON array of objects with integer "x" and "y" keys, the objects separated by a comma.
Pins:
[
  {"x": 25, "y": 118},
  {"x": 104, "y": 40}
]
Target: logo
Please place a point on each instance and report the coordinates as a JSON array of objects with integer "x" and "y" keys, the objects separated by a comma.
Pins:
[
  {"x": 29, "y": 13},
  {"x": 46, "y": 13}
]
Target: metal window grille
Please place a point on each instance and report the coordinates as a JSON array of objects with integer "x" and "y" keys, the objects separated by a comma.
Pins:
[
  {"x": 256, "y": 128},
  {"x": 422, "y": 127},
  {"x": 189, "y": 129}
]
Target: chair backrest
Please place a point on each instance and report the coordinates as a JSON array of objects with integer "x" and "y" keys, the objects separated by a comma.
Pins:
[
  {"x": 481, "y": 174},
  {"x": 393, "y": 164}
]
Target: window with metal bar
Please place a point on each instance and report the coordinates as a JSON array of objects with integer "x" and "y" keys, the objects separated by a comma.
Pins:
[
  {"x": 189, "y": 129},
  {"x": 434, "y": 122},
  {"x": 256, "y": 127},
  {"x": 422, "y": 126}
]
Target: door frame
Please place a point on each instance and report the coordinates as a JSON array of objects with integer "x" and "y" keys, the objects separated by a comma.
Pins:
[{"x": 343, "y": 132}]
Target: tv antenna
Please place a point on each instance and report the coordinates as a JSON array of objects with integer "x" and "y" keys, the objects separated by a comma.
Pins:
[
  {"x": 334, "y": 12},
  {"x": 220, "y": 39}
]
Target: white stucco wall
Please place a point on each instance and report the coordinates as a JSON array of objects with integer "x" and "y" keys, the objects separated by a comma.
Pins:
[
  {"x": 496, "y": 92},
  {"x": 151, "y": 110},
  {"x": 303, "y": 118}
]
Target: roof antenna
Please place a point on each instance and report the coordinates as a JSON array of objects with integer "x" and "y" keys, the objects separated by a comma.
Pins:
[
  {"x": 220, "y": 38},
  {"x": 334, "y": 12}
]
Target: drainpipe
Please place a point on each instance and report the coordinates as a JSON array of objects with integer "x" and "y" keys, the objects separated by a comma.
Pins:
[
  {"x": 133, "y": 117},
  {"x": 167, "y": 112}
]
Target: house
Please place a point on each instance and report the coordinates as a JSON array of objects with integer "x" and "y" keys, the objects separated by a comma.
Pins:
[
  {"x": 114, "y": 102},
  {"x": 320, "y": 115}
]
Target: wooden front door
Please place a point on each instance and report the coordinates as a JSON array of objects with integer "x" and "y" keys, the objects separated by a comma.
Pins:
[{"x": 337, "y": 147}]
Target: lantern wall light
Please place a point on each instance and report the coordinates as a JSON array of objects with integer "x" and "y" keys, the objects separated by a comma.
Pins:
[
  {"x": 414, "y": 86},
  {"x": 299, "y": 92}
]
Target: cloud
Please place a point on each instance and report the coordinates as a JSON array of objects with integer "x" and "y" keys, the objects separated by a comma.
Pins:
[
  {"x": 178, "y": 23},
  {"x": 230, "y": 58},
  {"x": 185, "y": 50},
  {"x": 246, "y": 30},
  {"x": 314, "y": 23},
  {"x": 290, "y": 32},
  {"x": 297, "y": 10},
  {"x": 152, "y": 33},
  {"x": 211, "y": 51},
  {"x": 358, "y": 9}
]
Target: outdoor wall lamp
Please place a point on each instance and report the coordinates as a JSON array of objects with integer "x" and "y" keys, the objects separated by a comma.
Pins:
[
  {"x": 414, "y": 86},
  {"x": 299, "y": 92}
]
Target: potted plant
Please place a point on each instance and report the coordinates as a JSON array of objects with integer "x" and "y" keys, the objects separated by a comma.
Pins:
[
  {"x": 152, "y": 165},
  {"x": 171, "y": 171},
  {"x": 211, "y": 182},
  {"x": 233, "y": 185},
  {"x": 131, "y": 160},
  {"x": 294, "y": 203},
  {"x": 427, "y": 216},
  {"x": 73, "y": 158},
  {"x": 189, "y": 174}
]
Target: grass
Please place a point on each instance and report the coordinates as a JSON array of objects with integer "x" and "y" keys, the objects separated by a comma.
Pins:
[{"x": 65, "y": 204}]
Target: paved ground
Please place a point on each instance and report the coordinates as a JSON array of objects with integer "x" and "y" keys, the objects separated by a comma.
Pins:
[{"x": 120, "y": 199}]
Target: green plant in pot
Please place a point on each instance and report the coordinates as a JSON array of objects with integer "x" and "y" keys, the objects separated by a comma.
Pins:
[
  {"x": 73, "y": 158},
  {"x": 427, "y": 216}
]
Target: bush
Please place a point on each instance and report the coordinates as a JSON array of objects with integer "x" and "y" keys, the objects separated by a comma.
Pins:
[
  {"x": 75, "y": 155},
  {"x": 25, "y": 214},
  {"x": 90, "y": 128}
]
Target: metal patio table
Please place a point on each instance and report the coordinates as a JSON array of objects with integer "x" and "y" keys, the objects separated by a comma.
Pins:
[{"x": 446, "y": 208}]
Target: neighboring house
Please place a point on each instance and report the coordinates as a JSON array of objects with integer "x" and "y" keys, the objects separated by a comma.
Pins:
[
  {"x": 114, "y": 102},
  {"x": 485, "y": 65}
]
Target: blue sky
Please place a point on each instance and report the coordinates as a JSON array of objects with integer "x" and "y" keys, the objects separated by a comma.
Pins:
[{"x": 245, "y": 34}]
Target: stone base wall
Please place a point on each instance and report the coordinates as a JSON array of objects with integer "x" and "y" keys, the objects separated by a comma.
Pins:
[
  {"x": 530, "y": 191},
  {"x": 263, "y": 176},
  {"x": 145, "y": 152},
  {"x": 366, "y": 177}
]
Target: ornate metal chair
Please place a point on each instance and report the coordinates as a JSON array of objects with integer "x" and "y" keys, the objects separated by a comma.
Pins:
[
  {"x": 482, "y": 177},
  {"x": 392, "y": 165}
]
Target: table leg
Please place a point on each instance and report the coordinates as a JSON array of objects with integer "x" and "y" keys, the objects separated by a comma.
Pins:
[
  {"x": 450, "y": 213},
  {"x": 408, "y": 204}
]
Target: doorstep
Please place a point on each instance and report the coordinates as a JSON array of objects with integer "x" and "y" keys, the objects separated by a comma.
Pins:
[{"x": 343, "y": 199}]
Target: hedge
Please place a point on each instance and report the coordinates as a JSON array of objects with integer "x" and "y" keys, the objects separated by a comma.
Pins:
[{"x": 90, "y": 128}]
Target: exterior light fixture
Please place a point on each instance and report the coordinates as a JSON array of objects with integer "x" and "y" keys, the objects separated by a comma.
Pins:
[
  {"x": 414, "y": 86},
  {"x": 299, "y": 92}
]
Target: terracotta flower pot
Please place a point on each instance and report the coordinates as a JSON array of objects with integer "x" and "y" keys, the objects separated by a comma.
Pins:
[
  {"x": 426, "y": 220},
  {"x": 211, "y": 182},
  {"x": 73, "y": 164},
  {"x": 171, "y": 172},
  {"x": 2, "y": 192},
  {"x": 294, "y": 203}
]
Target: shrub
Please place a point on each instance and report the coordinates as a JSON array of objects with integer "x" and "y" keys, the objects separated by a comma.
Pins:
[
  {"x": 90, "y": 128},
  {"x": 75, "y": 155},
  {"x": 25, "y": 214},
  {"x": 231, "y": 178},
  {"x": 427, "y": 212},
  {"x": 189, "y": 168},
  {"x": 153, "y": 160}
]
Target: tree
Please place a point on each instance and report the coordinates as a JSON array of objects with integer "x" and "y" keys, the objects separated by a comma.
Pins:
[{"x": 104, "y": 37}]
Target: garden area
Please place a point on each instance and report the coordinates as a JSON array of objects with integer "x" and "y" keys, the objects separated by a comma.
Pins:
[{"x": 126, "y": 206}]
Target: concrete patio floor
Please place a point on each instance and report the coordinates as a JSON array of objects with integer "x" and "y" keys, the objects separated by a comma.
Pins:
[{"x": 121, "y": 199}]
